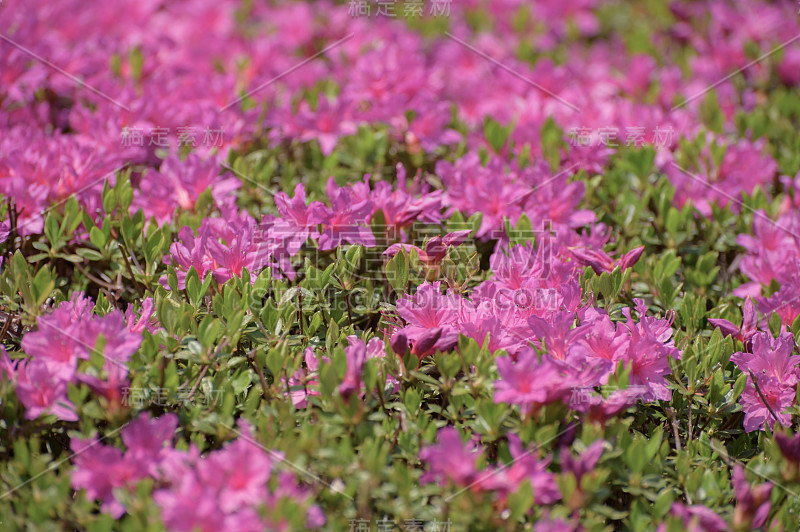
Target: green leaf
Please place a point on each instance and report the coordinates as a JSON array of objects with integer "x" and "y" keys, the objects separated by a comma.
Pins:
[{"x": 397, "y": 271}]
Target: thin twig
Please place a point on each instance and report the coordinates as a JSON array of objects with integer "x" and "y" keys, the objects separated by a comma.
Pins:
[
  {"x": 674, "y": 421},
  {"x": 300, "y": 309},
  {"x": 349, "y": 311},
  {"x": 139, "y": 288},
  {"x": 264, "y": 385},
  {"x": 97, "y": 280},
  {"x": 6, "y": 326}
]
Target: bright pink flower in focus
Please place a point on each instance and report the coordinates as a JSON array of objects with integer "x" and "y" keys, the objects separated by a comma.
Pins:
[
  {"x": 776, "y": 371},
  {"x": 346, "y": 220}
]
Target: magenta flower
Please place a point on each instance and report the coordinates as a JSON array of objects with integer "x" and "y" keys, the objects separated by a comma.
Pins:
[
  {"x": 490, "y": 190},
  {"x": 303, "y": 383},
  {"x": 784, "y": 302},
  {"x": 356, "y": 354},
  {"x": 696, "y": 518},
  {"x": 189, "y": 252},
  {"x": 117, "y": 344},
  {"x": 601, "y": 262},
  {"x": 346, "y": 220},
  {"x": 789, "y": 446},
  {"x": 530, "y": 382},
  {"x": 428, "y": 129},
  {"x": 525, "y": 467},
  {"x": 435, "y": 249},
  {"x": 145, "y": 321},
  {"x": 752, "y": 504},
  {"x": 100, "y": 469},
  {"x": 490, "y": 328},
  {"x": 146, "y": 439},
  {"x": 600, "y": 409},
  {"x": 227, "y": 488},
  {"x": 585, "y": 463},
  {"x": 776, "y": 372},
  {"x": 326, "y": 124},
  {"x": 649, "y": 352},
  {"x": 749, "y": 324},
  {"x": 180, "y": 183},
  {"x": 601, "y": 340},
  {"x": 61, "y": 339},
  {"x": 43, "y": 392},
  {"x": 399, "y": 207},
  {"x": 450, "y": 459},
  {"x": 427, "y": 311},
  {"x": 239, "y": 471},
  {"x": 297, "y": 218},
  {"x": 8, "y": 368},
  {"x": 557, "y": 334}
]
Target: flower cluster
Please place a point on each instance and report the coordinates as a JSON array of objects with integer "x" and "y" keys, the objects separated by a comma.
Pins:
[
  {"x": 225, "y": 488},
  {"x": 60, "y": 351},
  {"x": 469, "y": 298}
]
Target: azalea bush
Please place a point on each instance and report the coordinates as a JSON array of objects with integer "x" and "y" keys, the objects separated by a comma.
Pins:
[{"x": 399, "y": 265}]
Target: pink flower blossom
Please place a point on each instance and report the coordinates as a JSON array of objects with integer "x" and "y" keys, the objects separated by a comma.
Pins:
[
  {"x": 777, "y": 372},
  {"x": 752, "y": 504},
  {"x": 532, "y": 382},
  {"x": 601, "y": 262},
  {"x": 749, "y": 324},
  {"x": 297, "y": 218},
  {"x": 346, "y": 220},
  {"x": 43, "y": 392},
  {"x": 450, "y": 459}
]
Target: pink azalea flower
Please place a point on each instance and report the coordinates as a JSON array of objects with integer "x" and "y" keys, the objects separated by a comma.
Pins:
[
  {"x": 530, "y": 382},
  {"x": 601, "y": 262},
  {"x": 557, "y": 334},
  {"x": 752, "y": 504},
  {"x": 297, "y": 218},
  {"x": 428, "y": 129},
  {"x": 8, "y": 368},
  {"x": 778, "y": 395},
  {"x": 749, "y": 324},
  {"x": 326, "y": 124},
  {"x": 118, "y": 343},
  {"x": 303, "y": 383},
  {"x": 525, "y": 467},
  {"x": 585, "y": 463},
  {"x": 789, "y": 446},
  {"x": 239, "y": 471},
  {"x": 61, "y": 339},
  {"x": 182, "y": 182},
  {"x": 100, "y": 469},
  {"x": 599, "y": 409},
  {"x": 145, "y": 439},
  {"x": 649, "y": 352},
  {"x": 356, "y": 354},
  {"x": 776, "y": 372},
  {"x": 696, "y": 518},
  {"x": 743, "y": 167},
  {"x": 240, "y": 251},
  {"x": 431, "y": 316},
  {"x": 784, "y": 302},
  {"x": 436, "y": 248},
  {"x": 43, "y": 392},
  {"x": 346, "y": 220},
  {"x": 450, "y": 459},
  {"x": 145, "y": 321},
  {"x": 188, "y": 252}
]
